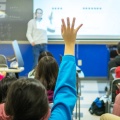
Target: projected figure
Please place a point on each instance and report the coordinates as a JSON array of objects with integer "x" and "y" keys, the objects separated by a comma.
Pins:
[
  {"x": 37, "y": 34},
  {"x": 2, "y": 14},
  {"x": 50, "y": 27}
]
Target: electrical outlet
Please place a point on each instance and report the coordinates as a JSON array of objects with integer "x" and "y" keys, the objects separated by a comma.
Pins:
[{"x": 79, "y": 62}]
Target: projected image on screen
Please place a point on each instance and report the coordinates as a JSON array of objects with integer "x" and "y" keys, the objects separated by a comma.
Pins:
[
  {"x": 14, "y": 16},
  {"x": 100, "y": 19},
  {"x": 2, "y": 8}
]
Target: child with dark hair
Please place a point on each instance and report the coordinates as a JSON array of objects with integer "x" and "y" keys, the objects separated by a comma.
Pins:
[
  {"x": 43, "y": 54},
  {"x": 31, "y": 74},
  {"x": 4, "y": 85},
  {"x": 46, "y": 72},
  {"x": 114, "y": 62},
  {"x": 27, "y": 99}
]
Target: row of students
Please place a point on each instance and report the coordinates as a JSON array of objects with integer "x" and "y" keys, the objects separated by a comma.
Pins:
[
  {"x": 116, "y": 95},
  {"x": 27, "y": 97}
]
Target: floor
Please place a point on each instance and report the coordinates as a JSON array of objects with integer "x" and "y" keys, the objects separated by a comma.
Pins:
[{"x": 90, "y": 89}]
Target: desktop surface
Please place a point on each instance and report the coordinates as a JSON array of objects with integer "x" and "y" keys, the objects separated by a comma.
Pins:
[{"x": 16, "y": 70}]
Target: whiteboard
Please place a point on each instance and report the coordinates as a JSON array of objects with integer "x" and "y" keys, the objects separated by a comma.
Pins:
[{"x": 100, "y": 18}]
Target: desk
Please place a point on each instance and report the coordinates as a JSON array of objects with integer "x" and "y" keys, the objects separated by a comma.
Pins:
[{"x": 8, "y": 70}]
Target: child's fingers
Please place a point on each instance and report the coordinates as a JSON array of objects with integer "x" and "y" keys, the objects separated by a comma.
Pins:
[
  {"x": 73, "y": 23},
  {"x": 68, "y": 22},
  {"x": 79, "y": 27},
  {"x": 63, "y": 24}
]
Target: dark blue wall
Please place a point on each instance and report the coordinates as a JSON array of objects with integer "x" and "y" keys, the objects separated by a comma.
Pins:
[
  {"x": 94, "y": 57},
  {"x": 94, "y": 60}
]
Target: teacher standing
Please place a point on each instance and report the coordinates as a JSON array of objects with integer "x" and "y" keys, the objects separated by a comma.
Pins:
[{"x": 37, "y": 35}]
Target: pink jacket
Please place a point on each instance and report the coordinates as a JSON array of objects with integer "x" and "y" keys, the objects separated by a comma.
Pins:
[
  {"x": 3, "y": 116},
  {"x": 116, "y": 107},
  {"x": 1, "y": 76}
]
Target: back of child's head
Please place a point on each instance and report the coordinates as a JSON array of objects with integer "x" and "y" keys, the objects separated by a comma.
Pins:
[
  {"x": 117, "y": 72},
  {"x": 4, "y": 85},
  {"x": 47, "y": 71},
  {"x": 27, "y": 100},
  {"x": 44, "y": 53}
]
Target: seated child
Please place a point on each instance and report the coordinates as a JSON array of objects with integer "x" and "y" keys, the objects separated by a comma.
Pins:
[
  {"x": 31, "y": 74},
  {"x": 46, "y": 72},
  {"x": 116, "y": 88},
  {"x": 4, "y": 85}
]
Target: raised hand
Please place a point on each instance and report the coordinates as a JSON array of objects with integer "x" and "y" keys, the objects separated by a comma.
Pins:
[{"x": 69, "y": 33}]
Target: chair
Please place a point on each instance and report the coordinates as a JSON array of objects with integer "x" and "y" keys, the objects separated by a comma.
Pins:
[
  {"x": 79, "y": 76},
  {"x": 77, "y": 114},
  {"x": 112, "y": 95},
  {"x": 111, "y": 78},
  {"x": 11, "y": 58},
  {"x": 3, "y": 61},
  {"x": 111, "y": 91},
  {"x": 112, "y": 72},
  {"x": 112, "y": 75}
]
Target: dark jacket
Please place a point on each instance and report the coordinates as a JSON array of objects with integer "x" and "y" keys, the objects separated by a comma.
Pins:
[{"x": 114, "y": 63}]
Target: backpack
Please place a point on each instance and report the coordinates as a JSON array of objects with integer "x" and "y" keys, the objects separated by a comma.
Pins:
[{"x": 97, "y": 107}]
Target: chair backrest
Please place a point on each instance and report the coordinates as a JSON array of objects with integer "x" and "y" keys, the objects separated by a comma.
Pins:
[
  {"x": 112, "y": 73},
  {"x": 114, "y": 87},
  {"x": 18, "y": 54},
  {"x": 3, "y": 61},
  {"x": 112, "y": 70},
  {"x": 116, "y": 81}
]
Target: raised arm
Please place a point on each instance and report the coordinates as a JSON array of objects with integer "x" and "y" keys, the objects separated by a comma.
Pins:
[{"x": 65, "y": 90}]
